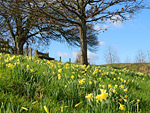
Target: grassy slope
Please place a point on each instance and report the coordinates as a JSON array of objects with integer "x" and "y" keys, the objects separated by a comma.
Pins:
[
  {"x": 139, "y": 67},
  {"x": 143, "y": 88},
  {"x": 33, "y": 83}
]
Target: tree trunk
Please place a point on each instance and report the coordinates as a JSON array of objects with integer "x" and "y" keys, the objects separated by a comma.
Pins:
[
  {"x": 21, "y": 49},
  {"x": 83, "y": 40},
  {"x": 15, "y": 49},
  {"x": 18, "y": 46}
]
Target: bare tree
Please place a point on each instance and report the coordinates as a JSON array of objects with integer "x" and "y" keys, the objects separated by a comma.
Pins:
[
  {"x": 110, "y": 56},
  {"x": 21, "y": 22},
  {"x": 77, "y": 14},
  {"x": 127, "y": 60},
  {"x": 140, "y": 57},
  {"x": 148, "y": 54},
  {"x": 20, "y": 25},
  {"x": 78, "y": 58}
]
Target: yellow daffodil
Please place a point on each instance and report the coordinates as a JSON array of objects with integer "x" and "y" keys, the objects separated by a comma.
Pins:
[
  {"x": 143, "y": 78},
  {"x": 62, "y": 109},
  {"x": 79, "y": 76},
  {"x": 60, "y": 70},
  {"x": 24, "y": 108},
  {"x": 72, "y": 77},
  {"x": 99, "y": 98},
  {"x": 27, "y": 66},
  {"x": 81, "y": 81},
  {"x": 126, "y": 96},
  {"x": 125, "y": 100},
  {"x": 138, "y": 100},
  {"x": 116, "y": 86},
  {"x": 120, "y": 99},
  {"x": 114, "y": 91},
  {"x": 78, "y": 104},
  {"x": 121, "y": 80},
  {"x": 89, "y": 96},
  {"x": 59, "y": 76},
  {"x": 122, "y": 107},
  {"x": 104, "y": 95},
  {"x": 122, "y": 86},
  {"x": 95, "y": 81},
  {"x": 125, "y": 90},
  {"x": 100, "y": 79},
  {"x": 109, "y": 86},
  {"x": 46, "y": 109},
  {"x": 103, "y": 86},
  {"x": 65, "y": 86},
  {"x": 53, "y": 73},
  {"x": 94, "y": 73},
  {"x": 32, "y": 70},
  {"x": 90, "y": 82}
]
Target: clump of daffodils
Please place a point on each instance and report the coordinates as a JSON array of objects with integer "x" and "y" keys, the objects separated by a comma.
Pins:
[
  {"x": 99, "y": 97},
  {"x": 59, "y": 76},
  {"x": 102, "y": 96}
]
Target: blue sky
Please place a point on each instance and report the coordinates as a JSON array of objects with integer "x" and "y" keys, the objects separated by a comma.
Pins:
[{"x": 126, "y": 38}]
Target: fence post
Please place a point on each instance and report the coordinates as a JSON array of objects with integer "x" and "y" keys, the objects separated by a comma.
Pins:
[
  {"x": 60, "y": 59},
  {"x": 27, "y": 49},
  {"x": 7, "y": 44},
  {"x": 26, "y": 52},
  {"x": 70, "y": 60},
  {"x": 17, "y": 44},
  {"x": 0, "y": 48},
  {"x": 31, "y": 52},
  {"x": 36, "y": 52}
]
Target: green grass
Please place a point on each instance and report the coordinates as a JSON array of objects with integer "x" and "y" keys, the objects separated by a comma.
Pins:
[
  {"x": 139, "y": 67},
  {"x": 32, "y": 85}
]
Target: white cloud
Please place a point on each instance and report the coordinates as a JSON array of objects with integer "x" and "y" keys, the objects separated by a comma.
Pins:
[
  {"x": 74, "y": 54},
  {"x": 63, "y": 54},
  {"x": 118, "y": 24},
  {"x": 97, "y": 27},
  {"x": 101, "y": 43},
  {"x": 91, "y": 56},
  {"x": 117, "y": 21},
  {"x": 116, "y": 17},
  {"x": 105, "y": 27}
]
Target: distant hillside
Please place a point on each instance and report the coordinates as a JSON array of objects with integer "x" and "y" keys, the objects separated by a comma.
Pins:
[{"x": 140, "y": 67}]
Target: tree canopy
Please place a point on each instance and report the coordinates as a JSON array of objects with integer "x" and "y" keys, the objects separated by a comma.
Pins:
[
  {"x": 78, "y": 14},
  {"x": 22, "y": 22}
]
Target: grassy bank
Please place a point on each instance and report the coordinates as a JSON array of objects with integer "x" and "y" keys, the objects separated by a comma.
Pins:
[
  {"x": 32, "y": 85},
  {"x": 139, "y": 67}
]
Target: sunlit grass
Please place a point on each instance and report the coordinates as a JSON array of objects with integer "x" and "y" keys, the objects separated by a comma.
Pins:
[{"x": 29, "y": 84}]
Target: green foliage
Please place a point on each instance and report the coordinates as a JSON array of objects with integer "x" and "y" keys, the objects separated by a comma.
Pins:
[{"x": 29, "y": 84}]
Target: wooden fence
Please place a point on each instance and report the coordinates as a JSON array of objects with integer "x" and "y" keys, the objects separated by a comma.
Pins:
[
  {"x": 5, "y": 47},
  {"x": 60, "y": 59},
  {"x": 43, "y": 55}
]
